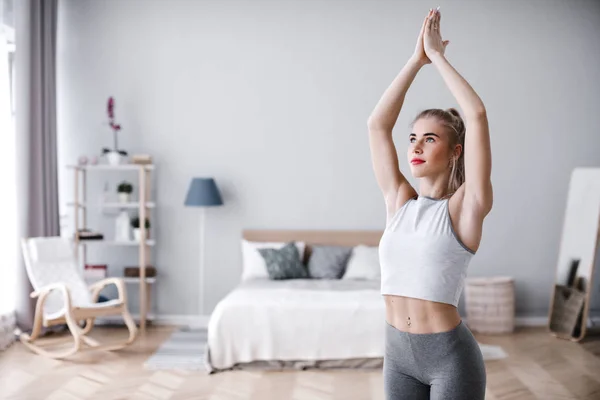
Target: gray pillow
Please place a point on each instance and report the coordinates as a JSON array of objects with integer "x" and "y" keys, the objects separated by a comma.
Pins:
[
  {"x": 284, "y": 263},
  {"x": 328, "y": 262}
]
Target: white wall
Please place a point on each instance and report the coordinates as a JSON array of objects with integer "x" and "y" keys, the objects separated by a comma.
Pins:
[{"x": 272, "y": 97}]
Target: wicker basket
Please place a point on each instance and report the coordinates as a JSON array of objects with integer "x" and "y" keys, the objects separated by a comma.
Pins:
[
  {"x": 490, "y": 304},
  {"x": 566, "y": 309}
]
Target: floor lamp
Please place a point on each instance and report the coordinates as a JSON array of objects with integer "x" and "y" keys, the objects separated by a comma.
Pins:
[{"x": 202, "y": 192}]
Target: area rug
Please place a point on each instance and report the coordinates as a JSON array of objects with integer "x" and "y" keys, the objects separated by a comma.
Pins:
[
  {"x": 491, "y": 352},
  {"x": 186, "y": 350}
]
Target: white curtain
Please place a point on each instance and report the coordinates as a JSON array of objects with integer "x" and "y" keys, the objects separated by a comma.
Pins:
[{"x": 8, "y": 206}]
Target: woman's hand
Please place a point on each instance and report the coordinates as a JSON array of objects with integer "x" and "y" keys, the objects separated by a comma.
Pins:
[
  {"x": 433, "y": 44},
  {"x": 419, "y": 55}
]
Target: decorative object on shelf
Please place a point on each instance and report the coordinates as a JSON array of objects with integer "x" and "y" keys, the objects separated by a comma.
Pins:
[
  {"x": 124, "y": 189},
  {"x": 106, "y": 193},
  {"x": 122, "y": 227},
  {"x": 94, "y": 160},
  {"x": 113, "y": 155},
  {"x": 137, "y": 234},
  {"x": 95, "y": 272},
  {"x": 82, "y": 160},
  {"x": 141, "y": 159},
  {"x": 134, "y": 272},
  {"x": 202, "y": 192},
  {"x": 86, "y": 234}
]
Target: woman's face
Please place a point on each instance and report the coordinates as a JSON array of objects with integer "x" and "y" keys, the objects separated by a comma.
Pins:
[{"x": 429, "y": 151}]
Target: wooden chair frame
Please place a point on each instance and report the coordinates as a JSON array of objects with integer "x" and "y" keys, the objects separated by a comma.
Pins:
[{"x": 74, "y": 315}]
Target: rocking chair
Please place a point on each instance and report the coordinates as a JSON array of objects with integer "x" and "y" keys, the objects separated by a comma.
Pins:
[{"x": 63, "y": 296}]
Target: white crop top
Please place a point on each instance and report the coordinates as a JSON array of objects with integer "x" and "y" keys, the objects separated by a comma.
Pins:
[{"x": 420, "y": 254}]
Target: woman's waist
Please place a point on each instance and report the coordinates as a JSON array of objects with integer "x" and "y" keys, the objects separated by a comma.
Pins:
[{"x": 420, "y": 316}]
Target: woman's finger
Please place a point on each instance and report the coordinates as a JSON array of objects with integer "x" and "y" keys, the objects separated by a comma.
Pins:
[
  {"x": 428, "y": 23},
  {"x": 423, "y": 27}
]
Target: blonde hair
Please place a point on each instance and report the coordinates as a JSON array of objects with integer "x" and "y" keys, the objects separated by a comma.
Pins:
[{"x": 452, "y": 120}]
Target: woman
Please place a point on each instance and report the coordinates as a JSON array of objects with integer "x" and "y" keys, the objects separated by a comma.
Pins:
[{"x": 430, "y": 237}]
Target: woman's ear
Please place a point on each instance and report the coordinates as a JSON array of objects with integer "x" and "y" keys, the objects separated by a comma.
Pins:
[{"x": 457, "y": 151}]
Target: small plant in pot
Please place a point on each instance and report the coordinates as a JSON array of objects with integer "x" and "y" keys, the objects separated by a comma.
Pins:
[
  {"x": 135, "y": 224},
  {"x": 124, "y": 189}
]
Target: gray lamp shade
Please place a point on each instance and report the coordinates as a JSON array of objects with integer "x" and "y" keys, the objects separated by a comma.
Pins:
[{"x": 203, "y": 192}]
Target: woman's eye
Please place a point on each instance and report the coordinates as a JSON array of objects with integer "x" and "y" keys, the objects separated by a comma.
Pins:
[
  {"x": 412, "y": 140},
  {"x": 430, "y": 140}
]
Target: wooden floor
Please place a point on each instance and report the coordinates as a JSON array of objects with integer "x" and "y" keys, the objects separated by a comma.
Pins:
[{"x": 539, "y": 366}]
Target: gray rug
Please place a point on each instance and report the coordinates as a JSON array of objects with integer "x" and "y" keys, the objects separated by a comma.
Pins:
[{"x": 185, "y": 349}]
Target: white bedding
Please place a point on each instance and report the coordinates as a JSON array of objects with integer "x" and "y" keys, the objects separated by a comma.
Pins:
[{"x": 297, "y": 319}]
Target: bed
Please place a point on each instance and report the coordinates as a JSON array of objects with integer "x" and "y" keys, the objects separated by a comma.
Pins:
[{"x": 300, "y": 323}]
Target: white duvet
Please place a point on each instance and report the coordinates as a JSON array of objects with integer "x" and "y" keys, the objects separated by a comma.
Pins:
[{"x": 299, "y": 319}]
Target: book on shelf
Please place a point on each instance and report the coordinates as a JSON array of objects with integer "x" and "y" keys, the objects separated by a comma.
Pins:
[
  {"x": 134, "y": 272},
  {"x": 94, "y": 272},
  {"x": 86, "y": 234},
  {"x": 141, "y": 159}
]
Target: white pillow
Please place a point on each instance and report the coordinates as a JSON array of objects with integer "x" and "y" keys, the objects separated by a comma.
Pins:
[
  {"x": 253, "y": 264},
  {"x": 363, "y": 263}
]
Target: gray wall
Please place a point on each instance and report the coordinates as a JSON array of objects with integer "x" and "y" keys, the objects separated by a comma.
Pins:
[{"x": 272, "y": 97}]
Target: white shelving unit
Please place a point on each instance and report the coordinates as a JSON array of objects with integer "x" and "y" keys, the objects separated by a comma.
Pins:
[
  {"x": 112, "y": 205},
  {"x": 81, "y": 206}
]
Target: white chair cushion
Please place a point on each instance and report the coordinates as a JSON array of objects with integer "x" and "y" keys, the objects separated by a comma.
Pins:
[{"x": 51, "y": 260}]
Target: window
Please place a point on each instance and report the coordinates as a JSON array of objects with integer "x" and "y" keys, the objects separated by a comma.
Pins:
[{"x": 7, "y": 26}]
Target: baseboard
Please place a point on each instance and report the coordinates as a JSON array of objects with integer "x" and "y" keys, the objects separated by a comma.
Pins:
[
  {"x": 183, "y": 320},
  {"x": 531, "y": 321},
  {"x": 524, "y": 321},
  {"x": 202, "y": 320},
  {"x": 176, "y": 320}
]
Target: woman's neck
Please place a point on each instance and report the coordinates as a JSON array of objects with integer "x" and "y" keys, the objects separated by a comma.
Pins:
[{"x": 435, "y": 188}]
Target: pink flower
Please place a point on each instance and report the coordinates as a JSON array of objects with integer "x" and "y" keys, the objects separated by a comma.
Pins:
[{"x": 111, "y": 106}]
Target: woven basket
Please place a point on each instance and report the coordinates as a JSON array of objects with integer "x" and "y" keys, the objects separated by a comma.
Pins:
[
  {"x": 490, "y": 304},
  {"x": 568, "y": 304}
]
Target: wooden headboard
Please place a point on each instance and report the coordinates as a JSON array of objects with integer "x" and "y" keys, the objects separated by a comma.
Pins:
[{"x": 310, "y": 237}]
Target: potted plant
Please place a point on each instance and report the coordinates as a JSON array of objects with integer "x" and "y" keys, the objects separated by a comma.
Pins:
[
  {"x": 135, "y": 224},
  {"x": 124, "y": 189},
  {"x": 113, "y": 155}
]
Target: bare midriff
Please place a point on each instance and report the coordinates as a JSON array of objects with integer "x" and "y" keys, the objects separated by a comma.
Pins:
[{"x": 420, "y": 316}]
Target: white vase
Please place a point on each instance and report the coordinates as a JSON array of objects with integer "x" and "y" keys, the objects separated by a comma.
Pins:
[
  {"x": 137, "y": 234},
  {"x": 122, "y": 227},
  {"x": 124, "y": 197},
  {"x": 114, "y": 158}
]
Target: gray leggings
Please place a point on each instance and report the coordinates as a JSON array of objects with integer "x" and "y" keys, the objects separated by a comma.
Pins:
[{"x": 446, "y": 365}]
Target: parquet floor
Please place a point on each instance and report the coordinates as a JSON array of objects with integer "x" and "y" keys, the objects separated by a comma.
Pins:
[{"x": 539, "y": 366}]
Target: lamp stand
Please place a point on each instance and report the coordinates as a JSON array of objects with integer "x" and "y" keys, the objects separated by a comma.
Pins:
[{"x": 201, "y": 272}]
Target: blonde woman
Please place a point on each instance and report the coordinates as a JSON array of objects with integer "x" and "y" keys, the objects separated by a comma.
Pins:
[{"x": 431, "y": 235}]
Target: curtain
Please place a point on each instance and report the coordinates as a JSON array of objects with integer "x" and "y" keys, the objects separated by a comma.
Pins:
[
  {"x": 36, "y": 149},
  {"x": 8, "y": 228}
]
